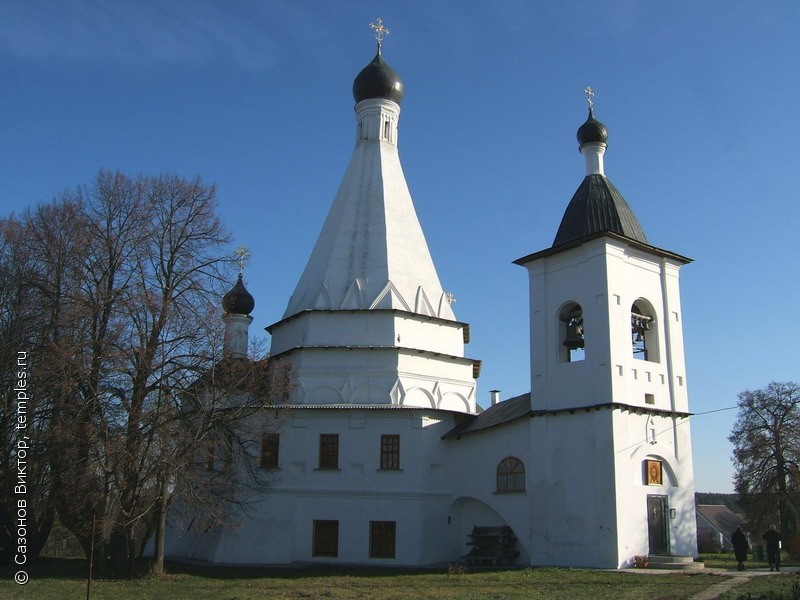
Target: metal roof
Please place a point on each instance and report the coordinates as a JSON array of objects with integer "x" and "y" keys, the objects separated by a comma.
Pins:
[
  {"x": 378, "y": 80},
  {"x": 498, "y": 414},
  {"x": 722, "y": 518},
  {"x": 238, "y": 300},
  {"x": 592, "y": 131},
  {"x": 597, "y": 207}
]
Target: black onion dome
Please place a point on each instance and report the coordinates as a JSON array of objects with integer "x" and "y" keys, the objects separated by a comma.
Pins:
[
  {"x": 238, "y": 300},
  {"x": 592, "y": 131},
  {"x": 378, "y": 80}
]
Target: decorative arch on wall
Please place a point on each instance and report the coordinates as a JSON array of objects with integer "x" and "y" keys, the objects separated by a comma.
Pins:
[
  {"x": 323, "y": 300},
  {"x": 644, "y": 331},
  {"x": 669, "y": 479},
  {"x": 467, "y": 512},
  {"x": 323, "y": 394},
  {"x": 571, "y": 339},
  {"x": 453, "y": 401},
  {"x": 418, "y": 396}
]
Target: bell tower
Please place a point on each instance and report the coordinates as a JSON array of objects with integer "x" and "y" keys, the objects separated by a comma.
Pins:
[{"x": 608, "y": 384}]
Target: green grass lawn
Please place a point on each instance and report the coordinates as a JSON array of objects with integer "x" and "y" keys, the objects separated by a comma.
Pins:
[
  {"x": 65, "y": 580},
  {"x": 62, "y": 579},
  {"x": 725, "y": 560},
  {"x": 775, "y": 587}
]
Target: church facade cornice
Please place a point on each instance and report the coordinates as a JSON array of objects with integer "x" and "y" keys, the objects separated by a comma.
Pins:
[{"x": 367, "y": 311}]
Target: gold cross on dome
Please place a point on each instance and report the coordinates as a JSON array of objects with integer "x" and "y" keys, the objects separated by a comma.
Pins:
[
  {"x": 380, "y": 30},
  {"x": 243, "y": 253},
  {"x": 589, "y": 96}
]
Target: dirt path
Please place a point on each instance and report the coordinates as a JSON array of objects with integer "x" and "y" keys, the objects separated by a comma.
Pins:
[{"x": 715, "y": 591}]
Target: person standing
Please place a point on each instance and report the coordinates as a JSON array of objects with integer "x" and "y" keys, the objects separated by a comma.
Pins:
[
  {"x": 740, "y": 547},
  {"x": 773, "y": 539}
]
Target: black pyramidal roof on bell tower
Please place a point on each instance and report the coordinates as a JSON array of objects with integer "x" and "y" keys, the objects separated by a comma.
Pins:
[{"x": 597, "y": 207}]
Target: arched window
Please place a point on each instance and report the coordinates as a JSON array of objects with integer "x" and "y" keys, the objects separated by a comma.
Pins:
[
  {"x": 644, "y": 335},
  {"x": 511, "y": 475},
  {"x": 571, "y": 332}
]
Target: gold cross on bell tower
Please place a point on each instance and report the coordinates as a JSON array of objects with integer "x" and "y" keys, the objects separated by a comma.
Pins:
[
  {"x": 380, "y": 31},
  {"x": 589, "y": 96},
  {"x": 243, "y": 253}
]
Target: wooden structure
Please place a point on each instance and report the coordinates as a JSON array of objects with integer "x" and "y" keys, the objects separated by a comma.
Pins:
[{"x": 492, "y": 546}]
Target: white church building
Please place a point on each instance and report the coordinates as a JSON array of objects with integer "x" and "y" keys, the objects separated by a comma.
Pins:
[{"x": 382, "y": 456}]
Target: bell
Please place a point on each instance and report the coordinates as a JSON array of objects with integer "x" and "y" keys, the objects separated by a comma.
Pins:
[{"x": 574, "y": 337}]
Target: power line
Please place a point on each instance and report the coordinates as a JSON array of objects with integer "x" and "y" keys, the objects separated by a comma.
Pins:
[{"x": 709, "y": 412}]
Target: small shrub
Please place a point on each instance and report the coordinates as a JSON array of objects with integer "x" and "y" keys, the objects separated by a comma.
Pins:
[
  {"x": 457, "y": 569},
  {"x": 640, "y": 561}
]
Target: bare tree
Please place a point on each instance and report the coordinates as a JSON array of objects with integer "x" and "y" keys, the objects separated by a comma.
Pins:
[
  {"x": 127, "y": 273},
  {"x": 214, "y": 439},
  {"x": 766, "y": 440},
  {"x": 24, "y": 412}
]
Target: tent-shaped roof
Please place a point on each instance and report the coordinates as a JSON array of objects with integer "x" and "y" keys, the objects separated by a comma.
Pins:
[{"x": 598, "y": 207}]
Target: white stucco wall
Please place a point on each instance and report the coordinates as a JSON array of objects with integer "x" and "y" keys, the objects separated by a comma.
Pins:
[{"x": 278, "y": 529}]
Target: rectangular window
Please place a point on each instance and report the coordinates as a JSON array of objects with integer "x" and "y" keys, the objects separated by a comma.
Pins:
[
  {"x": 390, "y": 452},
  {"x": 211, "y": 453},
  {"x": 326, "y": 538},
  {"x": 329, "y": 451},
  {"x": 270, "y": 444},
  {"x": 218, "y": 451},
  {"x": 382, "y": 537}
]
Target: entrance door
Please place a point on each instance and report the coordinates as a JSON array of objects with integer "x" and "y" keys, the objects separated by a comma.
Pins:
[{"x": 657, "y": 524}]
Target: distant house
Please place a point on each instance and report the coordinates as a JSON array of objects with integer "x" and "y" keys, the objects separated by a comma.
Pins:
[{"x": 715, "y": 524}]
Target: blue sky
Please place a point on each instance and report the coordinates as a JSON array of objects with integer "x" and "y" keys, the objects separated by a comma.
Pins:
[{"x": 700, "y": 100}]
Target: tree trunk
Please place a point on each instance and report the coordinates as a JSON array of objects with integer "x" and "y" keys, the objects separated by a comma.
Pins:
[{"x": 157, "y": 567}]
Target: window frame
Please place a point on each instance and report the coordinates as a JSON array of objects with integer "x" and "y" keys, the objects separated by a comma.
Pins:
[
  {"x": 270, "y": 450},
  {"x": 325, "y": 543},
  {"x": 383, "y": 539},
  {"x": 328, "y": 452},
  {"x": 390, "y": 452},
  {"x": 210, "y": 454},
  {"x": 510, "y": 476}
]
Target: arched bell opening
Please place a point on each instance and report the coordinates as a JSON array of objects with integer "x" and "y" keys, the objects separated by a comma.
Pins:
[
  {"x": 644, "y": 333},
  {"x": 572, "y": 342}
]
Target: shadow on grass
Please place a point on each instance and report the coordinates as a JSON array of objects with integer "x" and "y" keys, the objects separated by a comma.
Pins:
[{"x": 78, "y": 569}]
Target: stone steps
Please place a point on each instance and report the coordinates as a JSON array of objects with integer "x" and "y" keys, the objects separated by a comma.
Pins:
[{"x": 683, "y": 563}]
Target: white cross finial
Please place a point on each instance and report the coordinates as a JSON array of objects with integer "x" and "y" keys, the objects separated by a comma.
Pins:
[
  {"x": 451, "y": 299},
  {"x": 589, "y": 96},
  {"x": 380, "y": 31},
  {"x": 243, "y": 253}
]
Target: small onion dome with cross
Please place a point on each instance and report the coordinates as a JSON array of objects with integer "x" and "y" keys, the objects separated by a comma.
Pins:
[
  {"x": 592, "y": 131},
  {"x": 238, "y": 300},
  {"x": 378, "y": 79}
]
